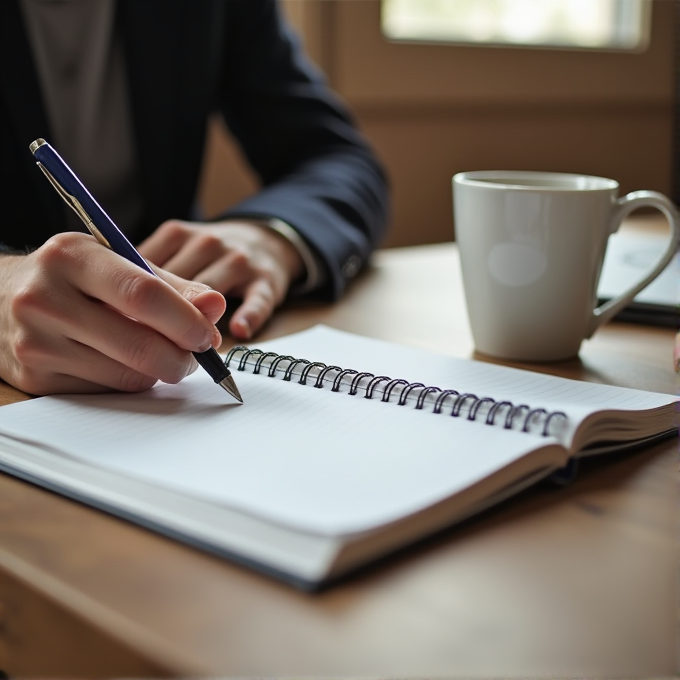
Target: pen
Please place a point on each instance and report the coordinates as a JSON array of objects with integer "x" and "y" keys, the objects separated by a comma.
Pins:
[{"x": 101, "y": 226}]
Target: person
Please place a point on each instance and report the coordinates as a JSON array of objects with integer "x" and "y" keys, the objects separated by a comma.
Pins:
[{"x": 124, "y": 89}]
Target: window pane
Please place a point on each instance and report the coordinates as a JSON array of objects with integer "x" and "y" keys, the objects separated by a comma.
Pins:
[{"x": 590, "y": 24}]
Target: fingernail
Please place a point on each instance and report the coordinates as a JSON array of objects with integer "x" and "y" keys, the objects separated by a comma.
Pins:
[
  {"x": 197, "y": 289},
  {"x": 216, "y": 338},
  {"x": 244, "y": 327}
]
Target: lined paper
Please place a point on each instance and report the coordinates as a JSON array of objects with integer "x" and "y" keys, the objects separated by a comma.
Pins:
[{"x": 310, "y": 458}]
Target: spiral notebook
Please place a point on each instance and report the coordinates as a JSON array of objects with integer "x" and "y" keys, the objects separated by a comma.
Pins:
[{"x": 345, "y": 448}]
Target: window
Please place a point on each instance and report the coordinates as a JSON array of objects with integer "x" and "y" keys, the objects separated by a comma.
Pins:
[{"x": 580, "y": 24}]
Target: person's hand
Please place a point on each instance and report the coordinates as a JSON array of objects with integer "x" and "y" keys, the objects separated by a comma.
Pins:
[
  {"x": 76, "y": 317},
  {"x": 239, "y": 259}
]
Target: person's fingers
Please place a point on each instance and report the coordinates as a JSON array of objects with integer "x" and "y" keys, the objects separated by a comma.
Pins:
[
  {"x": 234, "y": 273},
  {"x": 245, "y": 265},
  {"x": 148, "y": 299},
  {"x": 261, "y": 291},
  {"x": 49, "y": 361},
  {"x": 81, "y": 316},
  {"x": 212, "y": 305},
  {"x": 131, "y": 344},
  {"x": 197, "y": 253},
  {"x": 165, "y": 242},
  {"x": 257, "y": 306},
  {"x": 57, "y": 337},
  {"x": 81, "y": 370},
  {"x": 208, "y": 301},
  {"x": 231, "y": 274}
]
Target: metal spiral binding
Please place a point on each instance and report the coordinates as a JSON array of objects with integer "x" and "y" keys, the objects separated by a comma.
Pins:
[{"x": 521, "y": 414}]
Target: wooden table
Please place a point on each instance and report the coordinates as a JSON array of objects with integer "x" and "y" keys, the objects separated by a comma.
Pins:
[{"x": 573, "y": 581}]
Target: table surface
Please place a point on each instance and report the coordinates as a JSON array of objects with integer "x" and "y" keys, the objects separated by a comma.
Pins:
[{"x": 573, "y": 581}]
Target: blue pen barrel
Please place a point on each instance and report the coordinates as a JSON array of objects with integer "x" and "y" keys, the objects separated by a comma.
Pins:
[{"x": 68, "y": 183}]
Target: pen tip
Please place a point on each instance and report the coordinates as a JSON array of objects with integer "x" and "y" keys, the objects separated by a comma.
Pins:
[{"x": 230, "y": 386}]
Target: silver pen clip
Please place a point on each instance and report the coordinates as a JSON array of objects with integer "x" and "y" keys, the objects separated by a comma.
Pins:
[{"x": 75, "y": 205}]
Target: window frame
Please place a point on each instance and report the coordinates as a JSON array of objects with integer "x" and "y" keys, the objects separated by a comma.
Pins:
[{"x": 641, "y": 7}]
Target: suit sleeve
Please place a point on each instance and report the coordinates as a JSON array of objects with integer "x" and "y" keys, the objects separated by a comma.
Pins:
[{"x": 317, "y": 172}]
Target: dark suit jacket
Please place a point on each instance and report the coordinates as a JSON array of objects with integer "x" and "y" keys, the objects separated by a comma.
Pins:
[{"x": 185, "y": 60}]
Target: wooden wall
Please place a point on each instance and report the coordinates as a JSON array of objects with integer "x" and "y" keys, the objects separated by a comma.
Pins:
[{"x": 433, "y": 110}]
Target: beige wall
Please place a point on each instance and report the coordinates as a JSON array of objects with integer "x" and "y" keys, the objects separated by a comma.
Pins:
[{"x": 433, "y": 110}]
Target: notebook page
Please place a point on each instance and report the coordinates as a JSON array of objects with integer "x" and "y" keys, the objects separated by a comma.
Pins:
[{"x": 320, "y": 461}]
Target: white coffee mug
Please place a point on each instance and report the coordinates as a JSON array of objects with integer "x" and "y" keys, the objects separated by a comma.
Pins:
[{"x": 532, "y": 246}]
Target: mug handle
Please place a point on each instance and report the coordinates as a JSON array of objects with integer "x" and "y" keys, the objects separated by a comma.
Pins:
[{"x": 624, "y": 206}]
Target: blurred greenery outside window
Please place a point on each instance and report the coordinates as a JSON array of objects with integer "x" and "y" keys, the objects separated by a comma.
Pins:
[{"x": 565, "y": 24}]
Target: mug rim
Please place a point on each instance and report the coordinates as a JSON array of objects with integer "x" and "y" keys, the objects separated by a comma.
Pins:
[{"x": 503, "y": 179}]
